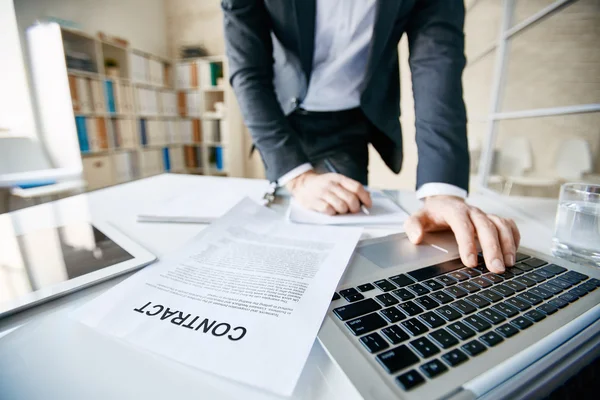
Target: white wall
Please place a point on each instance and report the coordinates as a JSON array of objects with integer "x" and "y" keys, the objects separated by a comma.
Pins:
[
  {"x": 16, "y": 112},
  {"x": 142, "y": 22}
]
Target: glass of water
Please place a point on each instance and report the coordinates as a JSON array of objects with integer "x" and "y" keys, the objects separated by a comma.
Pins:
[{"x": 577, "y": 228}]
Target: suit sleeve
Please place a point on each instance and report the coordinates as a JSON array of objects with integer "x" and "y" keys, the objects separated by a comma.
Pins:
[
  {"x": 436, "y": 45},
  {"x": 250, "y": 52}
]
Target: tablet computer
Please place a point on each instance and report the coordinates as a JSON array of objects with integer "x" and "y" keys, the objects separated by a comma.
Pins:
[{"x": 42, "y": 264}]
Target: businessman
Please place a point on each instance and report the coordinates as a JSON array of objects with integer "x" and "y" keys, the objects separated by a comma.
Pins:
[{"x": 318, "y": 80}]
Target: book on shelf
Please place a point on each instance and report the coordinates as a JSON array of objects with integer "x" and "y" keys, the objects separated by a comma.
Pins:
[
  {"x": 182, "y": 104},
  {"x": 110, "y": 96},
  {"x": 74, "y": 95},
  {"x": 97, "y": 96},
  {"x": 84, "y": 98},
  {"x": 176, "y": 158},
  {"x": 156, "y": 72},
  {"x": 216, "y": 72},
  {"x": 123, "y": 98},
  {"x": 155, "y": 133},
  {"x": 80, "y": 124},
  {"x": 127, "y": 139},
  {"x": 171, "y": 131},
  {"x": 124, "y": 167},
  {"x": 191, "y": 159},
  {"x": 168, "y": 102},
  {"x": 219, "y": 161},
  {"x": 166, "y": 159},
  {"x": 143, "y": 133},
  {"x": 197, "y": 131},
  {"x": 114, "y": 133},
  {"x": 193, "y": 104},
  {"x": 139, "y": 68}
]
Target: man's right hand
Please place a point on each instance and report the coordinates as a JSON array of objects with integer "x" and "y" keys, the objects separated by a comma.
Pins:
[{"x": 329, "y": 193}]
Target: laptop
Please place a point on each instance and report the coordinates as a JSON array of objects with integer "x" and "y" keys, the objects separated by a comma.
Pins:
[{"x": 412, "y": 322}]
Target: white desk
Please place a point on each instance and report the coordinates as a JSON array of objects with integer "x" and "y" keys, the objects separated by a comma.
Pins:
[{"x": 321, "y": 378}]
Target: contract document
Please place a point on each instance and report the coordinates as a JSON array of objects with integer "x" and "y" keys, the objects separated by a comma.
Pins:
[{"x": 243, "y": 300}]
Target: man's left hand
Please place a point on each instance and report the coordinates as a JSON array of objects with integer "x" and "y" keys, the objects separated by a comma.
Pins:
[{"x": 499, "y": 237}]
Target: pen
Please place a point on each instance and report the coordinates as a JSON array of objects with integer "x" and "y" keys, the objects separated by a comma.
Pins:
[{"x": 331, "y": 168}]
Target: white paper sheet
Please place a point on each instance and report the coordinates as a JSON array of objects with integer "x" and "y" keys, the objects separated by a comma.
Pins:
[
  {"x": 244, "y": 300},
  {"x": 205, "y": 200},
  {"x": 383, "y": 212}
]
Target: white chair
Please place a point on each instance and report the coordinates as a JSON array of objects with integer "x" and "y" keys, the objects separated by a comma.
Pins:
[
  {"x": 573, "y": 160},
  {"x": 514, "y": 161},
  {"x": 25, "y": 171}
]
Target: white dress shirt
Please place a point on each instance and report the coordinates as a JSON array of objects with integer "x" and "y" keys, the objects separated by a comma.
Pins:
[{"x": 343, "y": 32}]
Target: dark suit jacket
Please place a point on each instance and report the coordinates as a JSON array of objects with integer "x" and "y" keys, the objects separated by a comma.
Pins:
[{"x": 259, "y": 33}]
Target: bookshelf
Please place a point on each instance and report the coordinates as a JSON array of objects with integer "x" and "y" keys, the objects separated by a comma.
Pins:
[
  {"x": 210, "y": 123},
  {"x": 123, "y": 119}
]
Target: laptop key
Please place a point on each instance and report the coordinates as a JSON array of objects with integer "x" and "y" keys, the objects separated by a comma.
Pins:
[
  {"x": 535, "y": 315},
  {"x": 420, "y": 290},
  {"x": 516, "y": 286},
  {"x": 494, "y": 278},
  {"x": 401, "y": 280},
  {"x": 443, "y": 297},
  {"x": 535, "y": 276},
  {"x": 348, "y": 292},
  {"x": 525, "y": 281},
  {"x": 530, "y": 298},
  {"x": 472, "y": 272},
  {"x": 433, "y": 368},
  {"x": 473, "y": 348},
  {"x": 521, "y": 257},
  {"x": 505, "y": 309},
  {"x": 516, "y": 271},
  {"x": 443, "y": 338},
  {"x": 433, "y": 285},
  {"x": 462, "y": 331},
  {"x": 410, "y": 308},
  {"x": 477, "y": 301},
  {"x": 410, "y": 379},
  {"x": 534, "y": 262},
  {"x": 521, "y": 322},
  {"x": 459, "y": 276},
  {"x": 366, "y": 324},
  {"x": 455, "y": 357},
  {"x": 394, "y": 334},
  {"x": 424, "y": 347},
  {"x": 481, "y": 282},
  {"x": 503, "y": 290},
  {"x": 555, "y": 269},
  {"x": 507, "y": 330},
  {"x": 574, "y": 277},
  {"x": 568, "y": 297},
  {"x": 477, "y": 323},
  {"x": 469, "y": 287},
  {"x": 403, "y": 294},
  {"x": 426, "y": 273},
  {"x": 392, "y": 314},
  {"x": 354, "y": 297},
  {"x": 366, "y": 287},
  {"x": 385, "y": 285},
  {"x": 491, "y": 295},
  {"x": 335, "y": 296},
  {"x": 518, "y": 303},
  {"x": 558, "y": 303},
  {"x": 579, "y": 291},
  {"x": 432, "y": 319},
  {"x": 550, "y": 288},
  {"x": 560, "y": 283},
  {"x": 464, "y": 307},
  {"x": 493, "y": 316},
  {"x": 547, "y": 309},
  {"x": 387, "y": 299},
  {"x": 524, "y": 267},
  {"x": 414, "y": 326},
  {"x": 544, "y": 273},
  {"x": 397, "y": 358},
  {"x": 447, "y": 280},
  {"x": 427, "y": 302},
  {"x": 541, "y": 293},
  {"x": 456, "y": 292},
  {"x": 589, "y": 286},
  {"x": 356, "y": 309},
  {"x": 374, "y": 343},
  {"x": 595, "y": 282},
  {"x": 448, "y": 313},
  {"x": 491, "y": 338}
]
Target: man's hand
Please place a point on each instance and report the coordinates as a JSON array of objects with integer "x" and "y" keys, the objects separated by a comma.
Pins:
[
  {"x": 499, "y": 238},
  {"x": 329, "y": 193}
]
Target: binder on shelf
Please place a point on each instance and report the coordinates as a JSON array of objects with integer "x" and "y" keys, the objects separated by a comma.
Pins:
[
  {"x": 171, "y": 132},
  {"x": 199, "y": 156},
  {"x": 102, "y": 133},
  {"x": 182, "y": 76},
  {"x": 193, "y": 75},
  {"x": 124, "y": 169},
  {"x": 191, "y": 160},
  {"x": 115, "y": 133},
  {"x": 186, "y": 131},
  {"x": 176, "y": 158},
  {"x": 110, "y": 96},
  {"x": 216, "y": 72},
  {"x": 83, "y": 94},
  {"x": 84, "y": 145},
  {"x": 74, "y": 96},
  {"x": 197, "y": 131},
  {"x": 143, "y": 137},
  {"x": 205, "y": 80},
  {"x": 127, "y": 133},
  {"x": 219, "y": 158},
  {"x": 97, "y": 96},
  {"x": 182, "y": 104},
  {"x": 193, "y": 104},
  {"x": 166, "y": 159}
]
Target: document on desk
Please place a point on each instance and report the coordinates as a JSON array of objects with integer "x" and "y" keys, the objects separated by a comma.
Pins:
[
  {"x": 384, "y": 212},
  {"x": 243, "y": 300}
]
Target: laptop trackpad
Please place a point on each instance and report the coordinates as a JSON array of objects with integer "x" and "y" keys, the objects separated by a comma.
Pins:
[{"x": 396, "y": 252}]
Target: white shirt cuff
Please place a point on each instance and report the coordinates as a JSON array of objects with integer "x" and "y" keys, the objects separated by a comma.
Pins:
[
  {"x": 438, "y": 189},
  {"x": 299, "y": 170}
]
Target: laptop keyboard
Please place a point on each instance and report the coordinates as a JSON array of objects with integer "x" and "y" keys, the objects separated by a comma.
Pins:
[{"x": 424, "y": 322}]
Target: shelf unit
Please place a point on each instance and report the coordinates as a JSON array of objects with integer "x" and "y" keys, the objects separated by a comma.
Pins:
[{"x": 124, "y": 124}]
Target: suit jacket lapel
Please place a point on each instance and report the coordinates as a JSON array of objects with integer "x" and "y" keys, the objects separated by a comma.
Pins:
[
  {"x": 385, "y": 16},
  {"x": 305, "y": 18}
]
